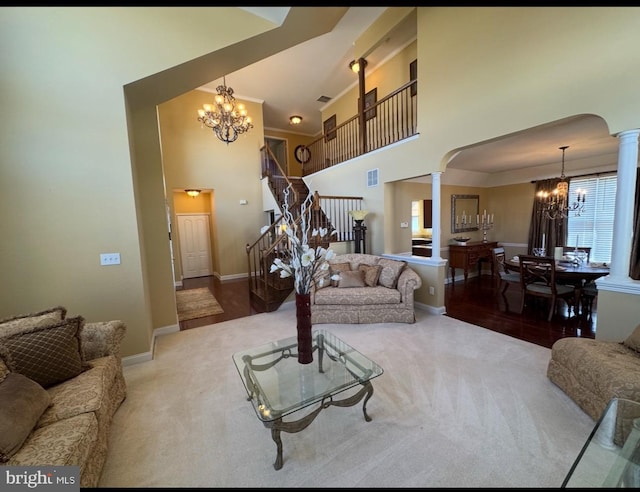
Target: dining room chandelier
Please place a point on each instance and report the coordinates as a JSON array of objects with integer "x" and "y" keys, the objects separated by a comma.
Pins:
[
  {"x": 555, "y": 204},
  {"x": 224, "y": 117}
]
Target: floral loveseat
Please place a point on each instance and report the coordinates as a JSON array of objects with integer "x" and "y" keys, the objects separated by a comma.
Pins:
[
  {"x": 593, "y": 372},
  {"x": 370, "y": 289},
  {"x": 61, "y": 382}
]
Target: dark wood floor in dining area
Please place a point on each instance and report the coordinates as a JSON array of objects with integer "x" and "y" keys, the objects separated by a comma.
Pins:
[{"x": 476, "y": 301}]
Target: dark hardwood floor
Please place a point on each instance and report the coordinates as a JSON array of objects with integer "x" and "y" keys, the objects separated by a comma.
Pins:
[
  {"x": 480, "y": 302},
  {"x": 233, "y": 296},
  {"x": 477, "y": 301}
]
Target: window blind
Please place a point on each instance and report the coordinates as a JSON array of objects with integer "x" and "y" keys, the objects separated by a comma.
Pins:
[{"x": 594, "y": 227}]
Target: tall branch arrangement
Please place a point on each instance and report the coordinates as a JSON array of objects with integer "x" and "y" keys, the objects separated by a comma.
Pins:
[{"x": 301, "y": 260}]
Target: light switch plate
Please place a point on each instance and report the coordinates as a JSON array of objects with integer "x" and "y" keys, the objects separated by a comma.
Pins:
[{"x": 109, "y": 258}]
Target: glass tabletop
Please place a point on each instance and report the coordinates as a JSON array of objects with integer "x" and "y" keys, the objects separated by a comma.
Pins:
[
  {"x": 611, "y": 455},
  {"x": 277, "y": 384}
]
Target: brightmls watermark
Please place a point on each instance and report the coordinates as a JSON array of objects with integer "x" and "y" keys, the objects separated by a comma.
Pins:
[{"x": 50, "y": 478}]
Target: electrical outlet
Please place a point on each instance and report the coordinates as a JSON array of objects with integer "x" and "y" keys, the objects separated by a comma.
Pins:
[
  {"x": 109, "y": 258},
  {"x": 432, "y": 290},
  {"x": 404, "y": 224}
]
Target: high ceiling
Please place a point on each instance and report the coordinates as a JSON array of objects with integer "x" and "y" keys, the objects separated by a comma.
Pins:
[{"x": 292, "y": 81}]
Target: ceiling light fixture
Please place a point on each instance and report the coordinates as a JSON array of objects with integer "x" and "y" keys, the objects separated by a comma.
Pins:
[
  {"x": 555, "y": 204},
  {"x": 192, "y": 193},
  {"x": 355, "y": 65},
  {"x": 226, "y": 121},
  {"x": 295, "y": 120}
]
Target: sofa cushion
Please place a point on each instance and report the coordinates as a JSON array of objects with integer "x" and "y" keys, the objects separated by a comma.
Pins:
[
  {"x": 22, "y": 402},
  {"x": 357, "y": 296},
  {"x": 68, "y": 442},
  {"x": 391, "y": 270},
  {"x": 350, "y": 279},
  {"x": 371, "y": 273},
  {"x": 87, "y": 392},
  {"x": 339, "y": 267},
  {"x": 20, "y": 323},
  {"x": 633, "y": 340},
  {"x": 47, "y": 354}
]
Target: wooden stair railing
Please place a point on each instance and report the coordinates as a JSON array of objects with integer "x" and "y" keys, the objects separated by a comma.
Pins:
[{"x": 268, "y": 290}]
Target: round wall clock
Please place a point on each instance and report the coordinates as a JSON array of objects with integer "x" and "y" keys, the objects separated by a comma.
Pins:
[{"x": 302, "y": 154}]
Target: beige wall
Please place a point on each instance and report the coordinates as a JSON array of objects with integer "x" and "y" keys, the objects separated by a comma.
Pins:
[
  {"x": 293, "y": 140},
  {"x": 85, "y": 176}
]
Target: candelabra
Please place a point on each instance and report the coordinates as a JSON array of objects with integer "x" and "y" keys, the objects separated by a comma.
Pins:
[{"x": 485, "y": 223}]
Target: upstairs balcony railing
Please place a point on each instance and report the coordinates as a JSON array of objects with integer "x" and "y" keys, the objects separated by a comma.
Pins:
[{"x": 388, "y": 121}]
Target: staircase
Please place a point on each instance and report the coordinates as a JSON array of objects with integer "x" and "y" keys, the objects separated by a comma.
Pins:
[{"x": 267, "y": 290}]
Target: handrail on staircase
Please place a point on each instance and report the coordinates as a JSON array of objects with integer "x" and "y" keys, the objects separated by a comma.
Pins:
[{"x": 271, "y": 169}]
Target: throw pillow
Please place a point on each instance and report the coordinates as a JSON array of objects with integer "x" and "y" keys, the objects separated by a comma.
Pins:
[
  {"x": 633, "y": 340},
  {"x": 17, "y": 324},
  {"x": 391, "y": 270},
  {"x": 371, "y": 274},
  {"x": 22, "y": 402},
  {"x": 48, "y": 355},
  {"x": 352, "y": 278}
]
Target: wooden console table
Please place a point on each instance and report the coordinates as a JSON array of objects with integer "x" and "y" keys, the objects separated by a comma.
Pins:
[{"x": 468, "y": 255}]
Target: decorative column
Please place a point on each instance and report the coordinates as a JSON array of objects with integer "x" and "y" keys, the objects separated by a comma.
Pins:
[
  {"x": 625, "y": 196},
  {"x": 435, "y": 216}
]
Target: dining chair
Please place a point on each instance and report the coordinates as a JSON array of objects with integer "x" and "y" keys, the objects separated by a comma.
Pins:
[
  {"x": 571, "y": 249},
  {"x": 507, "y": 277},
  {"x": 588, "y": 290},
  {"x": 538, "y": 279}
]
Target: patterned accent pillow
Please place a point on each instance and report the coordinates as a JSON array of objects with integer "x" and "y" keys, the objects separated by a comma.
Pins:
[
  {"x": 22, "y": 402},
  {"x": 633, "y": 340},
  {"x": 391, "y": 270},
  {"x": 352, "y": 278},
  {"x": 20, "y": 323},
  {"x": 371, "y": 273},
  {"x": 48, "y": 355}
]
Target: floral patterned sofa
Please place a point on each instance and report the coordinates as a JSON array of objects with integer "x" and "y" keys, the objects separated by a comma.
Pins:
[
  {"x": 61, "y": 382},
  {"x": 593, "y": 372},
  {"x": 366, "y": 289}
]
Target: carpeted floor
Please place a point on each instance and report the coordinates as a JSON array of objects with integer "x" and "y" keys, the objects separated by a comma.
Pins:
[
  {"x": 457, "y": 406},
  {"x": 196, "y": 303}
]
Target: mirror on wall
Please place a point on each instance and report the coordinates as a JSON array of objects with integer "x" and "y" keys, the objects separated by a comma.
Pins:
[{"x": 464, "y": 212}]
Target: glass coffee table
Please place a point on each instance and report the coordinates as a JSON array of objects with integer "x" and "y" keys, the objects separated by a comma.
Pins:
[
  {"x": 611, "y": 456},
  {"x": 278, "y": 385}
]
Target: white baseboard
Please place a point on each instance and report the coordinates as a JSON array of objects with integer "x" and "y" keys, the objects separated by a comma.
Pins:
[
  {"x": 430, "y": 309},
  {"x": 147, "y": 356}
]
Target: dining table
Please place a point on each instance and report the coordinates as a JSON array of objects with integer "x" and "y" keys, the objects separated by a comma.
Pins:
[{"x": 570, "y": 272}]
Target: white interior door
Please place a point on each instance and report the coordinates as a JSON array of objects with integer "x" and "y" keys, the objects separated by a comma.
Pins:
[{"x": 195, "y": 245}]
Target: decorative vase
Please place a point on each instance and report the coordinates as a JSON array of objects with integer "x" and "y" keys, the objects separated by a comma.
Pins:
[{"x": 305, "y": 340}]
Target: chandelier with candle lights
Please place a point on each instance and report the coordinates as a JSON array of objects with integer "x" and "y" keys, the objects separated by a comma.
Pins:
[
  {"x": 555, "y": 204},
  {"x": 224, "y": 117}
]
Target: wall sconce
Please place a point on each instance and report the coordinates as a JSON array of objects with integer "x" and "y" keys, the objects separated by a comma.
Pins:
[
  {"x": 355, "y": 65},
  {"x": 192, "y": 193},
  {"x": 295, "y": 120}
]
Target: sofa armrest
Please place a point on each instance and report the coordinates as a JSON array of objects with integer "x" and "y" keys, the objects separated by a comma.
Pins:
[
  {"x": 102, "y": 338},
  {"x": 408, "y": 281}
]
